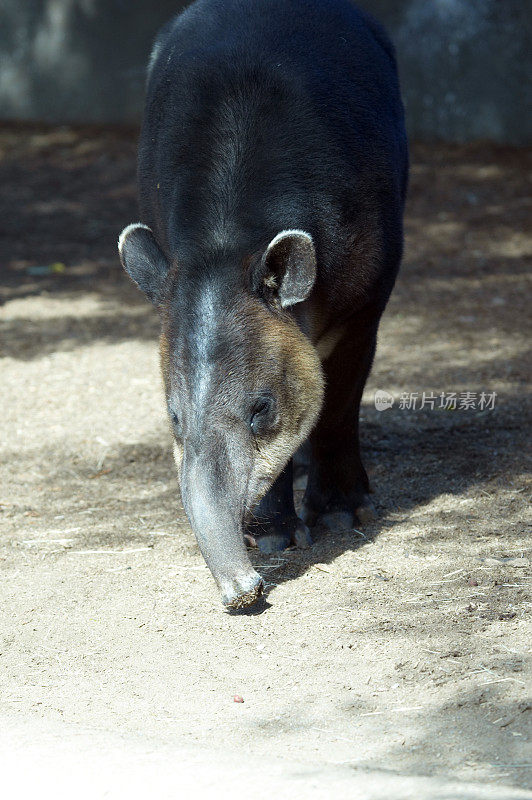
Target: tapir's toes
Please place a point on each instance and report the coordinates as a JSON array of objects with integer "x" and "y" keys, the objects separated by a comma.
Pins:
[{"x": 238, "y": 594}]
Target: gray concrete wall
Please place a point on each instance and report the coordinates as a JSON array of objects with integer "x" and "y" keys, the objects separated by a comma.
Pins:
[{"x": 466, "y": 65}]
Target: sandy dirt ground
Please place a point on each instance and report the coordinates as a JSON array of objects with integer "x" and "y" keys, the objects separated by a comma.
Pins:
[{"x": 393, "y": 656}]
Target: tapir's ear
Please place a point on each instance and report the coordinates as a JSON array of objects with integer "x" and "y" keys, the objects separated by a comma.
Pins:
[
  {"x": 143, "y": 260},
  {"x": 288, "y": 268}
]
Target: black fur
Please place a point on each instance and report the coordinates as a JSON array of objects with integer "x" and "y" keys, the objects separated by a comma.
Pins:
[{"x": 270, "y": 114}]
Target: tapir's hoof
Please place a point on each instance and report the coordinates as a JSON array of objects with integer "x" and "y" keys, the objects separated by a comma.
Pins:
[{"x": 241, "y": 594}]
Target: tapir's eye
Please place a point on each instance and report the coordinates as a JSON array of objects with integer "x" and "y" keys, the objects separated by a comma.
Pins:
[{"x": 262, "y": 415}]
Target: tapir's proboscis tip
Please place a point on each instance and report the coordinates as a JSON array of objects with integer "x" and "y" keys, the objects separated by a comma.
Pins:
[{"x": 235, "y": 601}]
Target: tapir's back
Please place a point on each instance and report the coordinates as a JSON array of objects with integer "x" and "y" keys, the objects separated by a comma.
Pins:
[{"x": 265, "y": 114}]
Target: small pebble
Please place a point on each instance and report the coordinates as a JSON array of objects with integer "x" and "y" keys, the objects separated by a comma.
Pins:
[
  {"x": 472, "y": 582},
  {"x": 238, "y": 699}
]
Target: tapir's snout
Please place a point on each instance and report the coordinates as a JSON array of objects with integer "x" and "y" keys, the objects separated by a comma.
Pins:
[{"x": 217, "y": 521}]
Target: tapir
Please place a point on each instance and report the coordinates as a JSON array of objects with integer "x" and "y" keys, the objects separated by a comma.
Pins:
[{"x": 272, "y": 170}]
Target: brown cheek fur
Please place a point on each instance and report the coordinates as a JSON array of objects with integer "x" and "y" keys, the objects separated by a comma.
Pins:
[{"x": 299, "y": 390}]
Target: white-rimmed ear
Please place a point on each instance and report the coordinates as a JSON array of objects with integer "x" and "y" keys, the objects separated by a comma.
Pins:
[
  {"x": 288, "y": 267},
  {"x": 143, "y": 260}
]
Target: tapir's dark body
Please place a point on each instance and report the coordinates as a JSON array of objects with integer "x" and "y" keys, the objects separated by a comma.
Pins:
[{"x": 269, "y": 116}]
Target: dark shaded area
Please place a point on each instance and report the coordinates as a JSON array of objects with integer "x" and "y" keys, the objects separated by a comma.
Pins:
[{"x": 65, "y": 194}]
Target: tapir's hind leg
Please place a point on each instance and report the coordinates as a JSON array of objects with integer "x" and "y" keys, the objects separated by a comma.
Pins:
[
  {"x": 275, "y": 524},
  {"x": 337, "y": 489}
]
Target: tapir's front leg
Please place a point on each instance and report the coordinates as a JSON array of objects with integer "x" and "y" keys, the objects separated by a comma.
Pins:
[
  {"x": 275, "y": 524},
  {"x": 338, "y": 486}
]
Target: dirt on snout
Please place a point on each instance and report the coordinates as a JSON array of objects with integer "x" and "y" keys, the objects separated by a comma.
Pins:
[{"x": 400, "y": 650}]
